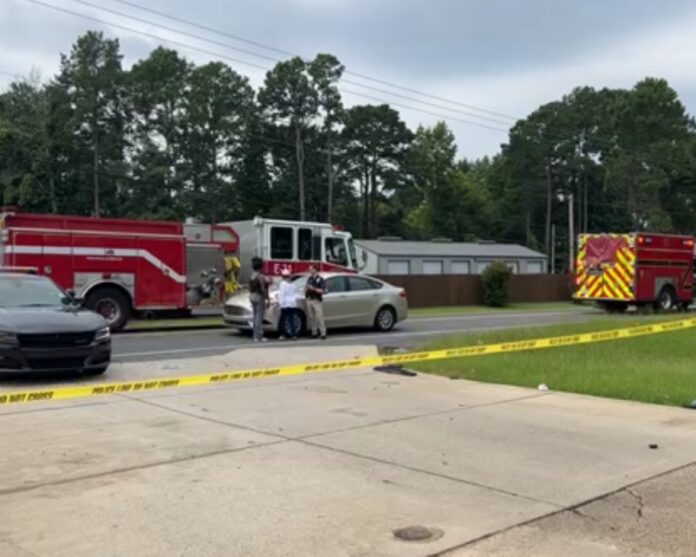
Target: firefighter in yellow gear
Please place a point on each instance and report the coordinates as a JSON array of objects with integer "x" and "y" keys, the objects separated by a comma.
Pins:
[{"x": 231, "y": 272}]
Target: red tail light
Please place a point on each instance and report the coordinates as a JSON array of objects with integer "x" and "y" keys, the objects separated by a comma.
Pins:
[{"x": 402, "y": 293}]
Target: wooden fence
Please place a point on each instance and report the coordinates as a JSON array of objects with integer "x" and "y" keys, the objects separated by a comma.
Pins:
[{"x": 464, "y": 290}]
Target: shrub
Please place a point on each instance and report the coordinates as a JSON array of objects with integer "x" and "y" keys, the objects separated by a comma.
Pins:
[{"x": 496, "y": 285}]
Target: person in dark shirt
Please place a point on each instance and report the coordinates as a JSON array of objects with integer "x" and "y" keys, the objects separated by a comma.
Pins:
[
  {"x": 258, "y": 296},
  {"x": 316, "y": 288}
]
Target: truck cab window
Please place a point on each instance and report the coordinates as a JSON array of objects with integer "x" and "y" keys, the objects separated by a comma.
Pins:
[
  {"x": 304, "y": 244},
  {"x": 281, "y": 243},
  {"x": 336, "y": 252}
]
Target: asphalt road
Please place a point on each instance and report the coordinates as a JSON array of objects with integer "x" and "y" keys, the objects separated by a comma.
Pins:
[{"x": 414, "y": 331}]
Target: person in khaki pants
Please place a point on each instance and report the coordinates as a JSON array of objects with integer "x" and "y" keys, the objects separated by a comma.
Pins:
[{"x": 316, "y": 288}]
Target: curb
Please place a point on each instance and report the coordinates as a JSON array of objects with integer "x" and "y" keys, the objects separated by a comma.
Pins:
[{"x": 165, "y": 329}]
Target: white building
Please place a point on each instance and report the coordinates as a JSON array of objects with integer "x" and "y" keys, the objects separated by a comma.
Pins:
[{"x": 393, "y": 256}]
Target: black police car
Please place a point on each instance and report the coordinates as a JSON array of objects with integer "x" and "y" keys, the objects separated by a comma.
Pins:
[{"x": 43, "y": 329}]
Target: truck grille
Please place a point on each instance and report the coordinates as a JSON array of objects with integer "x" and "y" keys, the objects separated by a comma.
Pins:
[
  {"x": 71, "y": 364},
  {"x": 57, "y": 340}
]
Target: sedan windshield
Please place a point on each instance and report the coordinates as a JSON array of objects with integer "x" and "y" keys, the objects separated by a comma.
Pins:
[{"x": 24, "y": 292}]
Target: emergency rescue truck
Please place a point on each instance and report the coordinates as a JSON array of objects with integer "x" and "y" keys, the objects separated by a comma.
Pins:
[
  {"x": 122, "y": 266},
  {"x": 294, "y": 246},
  {"x": 641, "y": 269}
]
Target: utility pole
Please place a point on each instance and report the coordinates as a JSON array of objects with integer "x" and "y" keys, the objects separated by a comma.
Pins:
[
  {"x": 552, "y": 266},
  {"x": 571, "y": 235}
]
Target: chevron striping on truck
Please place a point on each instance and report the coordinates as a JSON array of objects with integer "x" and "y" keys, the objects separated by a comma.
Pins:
[{"x": 84, "y": 391}]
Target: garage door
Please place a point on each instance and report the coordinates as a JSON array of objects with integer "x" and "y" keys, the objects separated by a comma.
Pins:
[
  {"x": 398, "y": 268},
  {"x": 432, "y": 267},
  {"x": 461, "y": 267},
  {"x": 535, "y": 268}
]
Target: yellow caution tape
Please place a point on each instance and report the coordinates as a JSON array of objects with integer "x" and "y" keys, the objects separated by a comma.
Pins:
[{"x": 82, "y": 391}]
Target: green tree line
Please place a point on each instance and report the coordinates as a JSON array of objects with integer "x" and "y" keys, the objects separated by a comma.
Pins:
[{"x": 167, "y": 139}]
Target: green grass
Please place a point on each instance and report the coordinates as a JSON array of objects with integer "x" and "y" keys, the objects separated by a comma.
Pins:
[
  {"x": 458, "y": 310},
  {"x": 658, "y": 369}
]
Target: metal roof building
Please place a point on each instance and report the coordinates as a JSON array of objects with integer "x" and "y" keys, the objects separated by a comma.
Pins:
[{"x": 393, "y": 256}]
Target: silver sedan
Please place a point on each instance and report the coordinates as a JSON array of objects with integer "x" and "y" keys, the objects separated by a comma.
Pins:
[{"x": 350, "y": 301}]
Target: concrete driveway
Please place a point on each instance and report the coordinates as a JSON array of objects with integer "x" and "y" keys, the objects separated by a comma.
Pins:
[{"x": 315, "y": 465}]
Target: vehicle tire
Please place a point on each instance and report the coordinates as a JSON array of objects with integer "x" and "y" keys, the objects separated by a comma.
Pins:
[
  {"x": 385, "y": 319},
  {"x": 666, "y": 300},
  {"x": 112, "y": 304},
  {"x": 300, "y": 324}
]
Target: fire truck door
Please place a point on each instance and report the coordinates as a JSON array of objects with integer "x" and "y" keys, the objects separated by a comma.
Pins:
[
  {"x": 160, "y": 278},
  {"x": 56, "y": 260}
]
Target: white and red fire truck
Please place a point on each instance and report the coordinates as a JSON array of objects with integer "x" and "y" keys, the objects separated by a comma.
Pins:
[
  {"x": 123, "y": 266},
  {"x": 294, "y": 246}
]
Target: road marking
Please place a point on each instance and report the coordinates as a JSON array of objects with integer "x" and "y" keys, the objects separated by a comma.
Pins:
[
  {"x": 338, "y": 338},
  {"x": 135, "y": 335},
  {"x": 124, "y": 387}
]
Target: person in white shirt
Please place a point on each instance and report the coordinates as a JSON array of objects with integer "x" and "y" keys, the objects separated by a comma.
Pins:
[{"x": 287, "y": 298}]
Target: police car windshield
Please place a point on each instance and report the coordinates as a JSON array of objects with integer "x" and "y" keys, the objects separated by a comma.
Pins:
[{"x": 27, "y": 292}]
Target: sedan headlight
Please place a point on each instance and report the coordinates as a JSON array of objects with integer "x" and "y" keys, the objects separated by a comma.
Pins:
[
  {"x": 103, "y": 334},
  {"x": 7, "y": 339}
]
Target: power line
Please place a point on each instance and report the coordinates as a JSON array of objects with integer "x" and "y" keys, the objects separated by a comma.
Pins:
[
  {"x": 146, "y": 34},
  {"x": 237, "y": 60},
  {"x": 275, "y": 59},
  {"x": 178, "y": 31},
  {"x": 606, "y": 141},
  {"x": 288, "y": 53},
  {"x": 370, "y": 97}
]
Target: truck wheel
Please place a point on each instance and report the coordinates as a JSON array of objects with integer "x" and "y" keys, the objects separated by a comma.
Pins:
[
  {"x": 666, "y": 300},
  {"x": 112, "y": 304}
]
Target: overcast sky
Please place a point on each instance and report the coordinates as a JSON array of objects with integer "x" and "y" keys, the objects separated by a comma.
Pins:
[{"x": 502, "y": 56}]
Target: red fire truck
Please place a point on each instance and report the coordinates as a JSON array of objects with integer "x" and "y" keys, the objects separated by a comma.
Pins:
[
  {"x": 618, "y": 270},
  {"x": 121, "y": 266}
]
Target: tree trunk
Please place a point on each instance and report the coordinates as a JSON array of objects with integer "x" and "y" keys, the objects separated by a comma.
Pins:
[
  {"x": 95, "y": 140},
  {"x": 585, "y": 202},
  {"x": 330, "y": 176},
  {"x": 373, "y": 202},
  {"x": 528, "y": 228},
  {"x": 54, "y": 200},
  {"x": 299, "y": 153},
  {"x": 549, "y": 201},
  {"x": 366, "y": 204}
]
